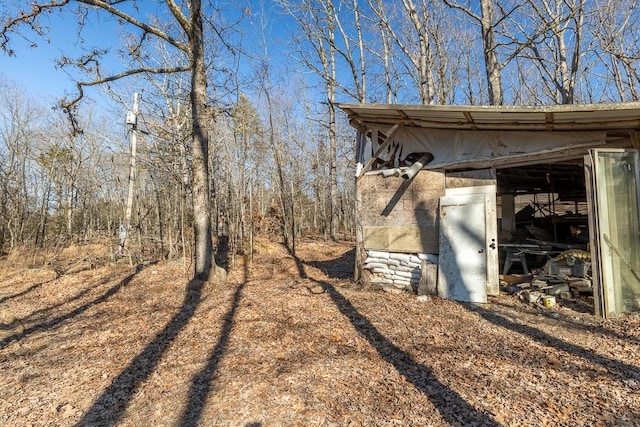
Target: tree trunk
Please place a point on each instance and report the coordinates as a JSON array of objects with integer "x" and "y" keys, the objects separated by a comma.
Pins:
[
  {"x": 200, "y": 147},
  {"x": 333, "y": 172},
  {"x": 493, "y": 68},
  {"x": 425, "y": 61},
  {"x": 387, "y": 65},
  {"x": 331, "y": 95},
  {"x": 69, "y": 211},
  {"x": 361, "y": 51}
]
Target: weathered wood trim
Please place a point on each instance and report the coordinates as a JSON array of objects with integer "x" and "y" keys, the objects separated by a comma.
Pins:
[
  {"x": 513, "y": 124},
  {"x": 560, "y": 108},
  {"x": 360, "y": 252},
  {"x": 408, "y": 238},
  {"x": 596, "y": 275},
  {"x": 467, "y": 115},
  {"x": 390, "y": 137},
  {"x": 428, "y": 279},
  {"x": 548, "y": 119},
  {"x": 574, "y": 152},
  {"x": 635, "y": 139}
]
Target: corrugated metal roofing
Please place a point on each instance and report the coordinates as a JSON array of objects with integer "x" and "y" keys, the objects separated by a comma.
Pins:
[{"x": 620, "y": 116}]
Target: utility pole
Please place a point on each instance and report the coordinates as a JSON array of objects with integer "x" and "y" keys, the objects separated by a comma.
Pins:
[{"x": 132, "y": 121}]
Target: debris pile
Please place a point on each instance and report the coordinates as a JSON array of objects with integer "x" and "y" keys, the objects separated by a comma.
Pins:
[{"x": 565, "y": 277}]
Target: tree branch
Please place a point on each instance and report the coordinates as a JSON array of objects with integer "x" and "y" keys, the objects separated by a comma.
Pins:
[
  {"x": 28, "y": 19},
  {"x": 136, "y": 23},
  {"x": 69, "y": 106},
  {"x": 464, "y": 9},
  {"x": 177, "y": 13}
]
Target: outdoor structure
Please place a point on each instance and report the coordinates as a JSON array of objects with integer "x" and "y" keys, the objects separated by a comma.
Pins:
[{"x": 449, "y": 197}]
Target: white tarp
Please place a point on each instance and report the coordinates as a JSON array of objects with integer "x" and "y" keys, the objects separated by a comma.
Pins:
[{"x": 463, "y": 146}]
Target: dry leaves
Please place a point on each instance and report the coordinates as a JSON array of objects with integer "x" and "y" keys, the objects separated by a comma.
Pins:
[{"x": 296, "y": 343}]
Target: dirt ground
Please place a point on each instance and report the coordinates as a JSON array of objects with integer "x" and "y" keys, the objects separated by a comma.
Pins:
[{"x": 293, "y": 342}]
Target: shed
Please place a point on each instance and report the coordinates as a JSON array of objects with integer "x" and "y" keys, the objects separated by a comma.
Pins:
[{"x": 464, "y": 193}]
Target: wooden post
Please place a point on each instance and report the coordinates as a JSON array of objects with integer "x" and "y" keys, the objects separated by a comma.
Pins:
[
  {"x": 508, "y": 212},
  {"x": 360, "y": 252},
  {"x": 635, "y": 139},
  {"x": 428, "y": 279},
  {"x": 132, "y": 119}
]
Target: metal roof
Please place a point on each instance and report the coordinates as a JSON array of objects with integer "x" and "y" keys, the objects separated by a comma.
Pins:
[{"x": 604, "y": 117}]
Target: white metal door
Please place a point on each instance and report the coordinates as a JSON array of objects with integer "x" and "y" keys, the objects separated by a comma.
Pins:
[
  {"x": 491, "y": 230},
  {"x": 462, "y": 273}
]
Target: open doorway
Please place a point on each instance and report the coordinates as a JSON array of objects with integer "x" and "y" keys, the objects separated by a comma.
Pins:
[{"x": 544, "y": 233}]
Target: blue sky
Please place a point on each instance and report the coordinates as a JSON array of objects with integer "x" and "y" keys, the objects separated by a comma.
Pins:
[{"x": 35, "y": 69}]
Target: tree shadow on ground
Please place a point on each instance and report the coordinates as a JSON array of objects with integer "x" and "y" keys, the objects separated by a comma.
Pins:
[
  {"x": 339, "y": 268},
  {"x": 26, "y": 291},
  {"x": 568, "y": 323},
  {"x": 38, "y": 315},
  {"x": 201, "y": 382},
  {"x": 614, "y": 367},
  {"x": 453, "y": 408},
  {"x": 111, "y": 405},
  {"x": 55, "y": 322}
]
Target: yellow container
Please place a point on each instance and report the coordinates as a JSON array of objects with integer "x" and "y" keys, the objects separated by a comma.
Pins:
[{"x": 549, "y": 301}]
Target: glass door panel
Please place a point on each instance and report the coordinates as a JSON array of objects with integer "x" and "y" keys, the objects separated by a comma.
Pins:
[{"x": 616, "y": 184}]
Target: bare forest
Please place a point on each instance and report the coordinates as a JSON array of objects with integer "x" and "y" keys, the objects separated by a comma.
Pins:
[
  {"x": 203, "y": 148},
  {"x": 251, "y": 141}
]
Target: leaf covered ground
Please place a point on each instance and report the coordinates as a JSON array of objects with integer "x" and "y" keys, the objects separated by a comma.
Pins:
[{"x": 293, "y": 342}]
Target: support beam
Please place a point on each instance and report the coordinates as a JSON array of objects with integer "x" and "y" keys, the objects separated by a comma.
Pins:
[
  {"x": 548, "y": 120},
  {"x": 467, "y": 116},
  {"x": 508, "y": 213},
  {"x": 635, "y": 139}
]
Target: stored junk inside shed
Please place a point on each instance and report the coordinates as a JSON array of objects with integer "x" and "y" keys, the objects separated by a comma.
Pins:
[{"x": 465, "y": 202}]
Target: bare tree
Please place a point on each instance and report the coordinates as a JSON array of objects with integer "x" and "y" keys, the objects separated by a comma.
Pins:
[
  {"x": 20, "y": 127},
  {"x": 420, "y": 58},
  {"x": 416, "y": 36},
  {"x": 613, "y": 26},
  {"x": 185, "y": 38},
  {"x": 423, "y": 58},
  {"x": 384, "y": 53},
  {"x": 318, "y": 21},
  {"x": 557, "y": 54},
  {"x": 64, "y": 158},
  {"x": 493, "y": 67},
  {"x": 489, "y": 22}
]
